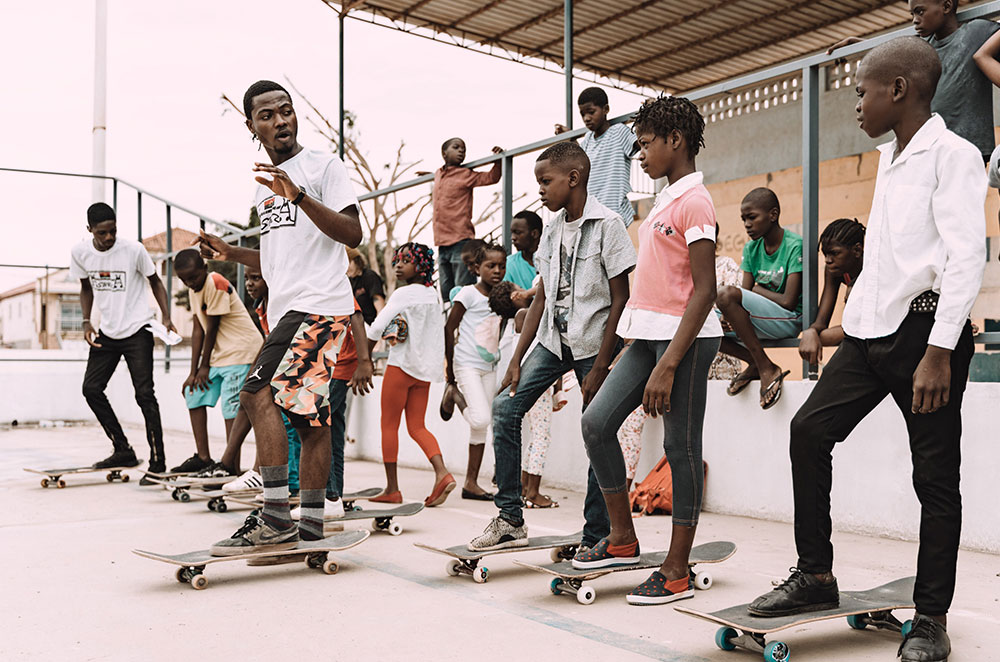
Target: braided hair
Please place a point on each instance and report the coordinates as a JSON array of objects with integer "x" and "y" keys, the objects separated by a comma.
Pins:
[
  {"x": 422, "y": 258},
  {"x": 664, "y": 115},
  {"x": 500, "y": 301},
  {"x": 487, "y": 247},
  {"x": 844, "y": 231}
]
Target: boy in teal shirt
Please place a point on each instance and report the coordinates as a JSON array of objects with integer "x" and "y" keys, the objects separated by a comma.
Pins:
[{"x": 768, "y": 305}]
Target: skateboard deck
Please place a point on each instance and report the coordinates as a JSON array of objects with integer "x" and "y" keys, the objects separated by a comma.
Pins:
[
  {"x": 348, "y": 498},
  {"x": 54, "y": 476},
  {"x": 466, "y": 562},
  {"x": 313, "y": 552},
  {"x": 862, "y": 608},
  {"x": 181, "y": 489},
  {"x": 381, "y": 517},
  {"x": 165, "y": 475},
  {"x": 570, "y": 580}
]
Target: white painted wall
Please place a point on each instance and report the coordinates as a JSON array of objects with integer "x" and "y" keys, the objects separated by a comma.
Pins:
[{"x": 746, "y": 448}]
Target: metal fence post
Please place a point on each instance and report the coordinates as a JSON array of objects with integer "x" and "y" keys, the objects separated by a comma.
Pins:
[
  {"x": 114, "y": 195},
  {"x": 810, "y": 200},
  {"x": 169, "y": 285},
  {"x": 568, "y": 59},
  {"x": 508, "y": 199},
  {"x": 138, "y": 215},
  {"x": 240, "y": 274}
]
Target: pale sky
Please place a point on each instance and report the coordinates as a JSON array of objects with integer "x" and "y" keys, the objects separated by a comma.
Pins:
[{"x": 168, "y": 64}]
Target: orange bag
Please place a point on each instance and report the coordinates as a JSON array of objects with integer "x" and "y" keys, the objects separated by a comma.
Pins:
[{"x": 655, "y": 493}]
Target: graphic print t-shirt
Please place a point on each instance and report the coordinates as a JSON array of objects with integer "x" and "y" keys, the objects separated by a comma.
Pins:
[
  {"x": 118, "y": 278},
  {"x": 772, "y": 271},
  {"x": 237, "y": 341},
  {"x": 479, "y": 332},
  {"x": 567, "y": 254},
  {"x": 305, "y": 270}
]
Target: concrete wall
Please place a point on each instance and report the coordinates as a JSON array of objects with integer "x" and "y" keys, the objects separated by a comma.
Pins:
[{"x": 746, "y": 448}]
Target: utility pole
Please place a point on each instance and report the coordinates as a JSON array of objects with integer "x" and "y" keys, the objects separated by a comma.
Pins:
[{"x": 100, "y": 96}]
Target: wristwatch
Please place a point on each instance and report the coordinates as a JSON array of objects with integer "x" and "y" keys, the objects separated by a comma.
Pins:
[{"x": 298, "y": 198}]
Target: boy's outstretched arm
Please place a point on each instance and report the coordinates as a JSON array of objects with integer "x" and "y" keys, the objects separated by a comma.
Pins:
[
  {"x": 213, "y": 248},
  {"x": 598, "y": 373},
  {"x": 491, "y": 176},
  {"x": 986, "y": 58}
]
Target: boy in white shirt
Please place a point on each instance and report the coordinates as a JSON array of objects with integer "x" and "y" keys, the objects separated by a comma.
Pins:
[
  {"x": 111, "y": 273},
  {"x": 907, "y": 334}
]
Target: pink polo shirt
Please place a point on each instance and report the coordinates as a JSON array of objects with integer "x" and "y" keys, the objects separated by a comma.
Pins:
[{"x": 683, "y": 214}]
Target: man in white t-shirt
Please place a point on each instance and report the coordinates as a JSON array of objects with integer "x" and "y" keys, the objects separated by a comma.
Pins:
[
  {"x": 112, "y": 274},
  {"x": 308, "y": 214}
]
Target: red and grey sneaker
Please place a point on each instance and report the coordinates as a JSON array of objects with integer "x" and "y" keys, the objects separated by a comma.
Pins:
[
  {"x": 603, "y": 555},
  {"x": 658, "y": 590}
]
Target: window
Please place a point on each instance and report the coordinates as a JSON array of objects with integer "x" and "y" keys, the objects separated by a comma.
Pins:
[{"x": 70, "y": 315}]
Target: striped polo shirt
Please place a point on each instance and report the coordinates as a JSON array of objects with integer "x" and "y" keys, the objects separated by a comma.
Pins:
[{"x": 610, "y": 168}]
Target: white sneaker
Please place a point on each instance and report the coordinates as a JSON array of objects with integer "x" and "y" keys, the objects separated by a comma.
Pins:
[
  {"x": 250, "y": 480},
  {"x": 332, "y": 510}
]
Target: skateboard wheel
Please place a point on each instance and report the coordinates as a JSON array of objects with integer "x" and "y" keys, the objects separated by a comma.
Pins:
[
  {"x": 125, "y": 478},
  {"x": 211, "y": 505},
  {"x": 221, "y": 507},
  {"x": 777, "y": 651},
  {"x": 585, "y": 595},
  {"x": 184, "y": 497},
  {"x": 375, "y": 525},
  {"x": 556, "y": 554},
  {"x": 724, "y": 637},
  {"x": 907, "y": 626},
  {"x": 555, "y": 586},
  {"x": 110, "y": 478},
  {"x": 181, "y": 575},
  {"x": 199, "y": 582},
  {"x": 330, "y": 567},
  {"x": 45, "y": 482},
  {"x": 60, "y": 483},
  {"x": 175, "y": 495},
  {"x": 703, "y": 581},
  {"x": 857, "y": 621},
  {"x": 452, "y": 568},
  {"x": 394, "y": 529},
  {"x": 480, "y": 575}
]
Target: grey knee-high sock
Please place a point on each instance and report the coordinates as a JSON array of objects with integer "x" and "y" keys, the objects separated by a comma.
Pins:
[
  {"x": 276, "y": 512},
  {"x": 311, "y": 519}
]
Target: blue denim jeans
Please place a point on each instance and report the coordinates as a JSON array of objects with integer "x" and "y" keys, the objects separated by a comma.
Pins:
[
  {"x": 539, "y": 372},
  {"x": 622, "y": 392},
  {"x": 451, "y": 269},
  {"x": 338, "y": 430}
]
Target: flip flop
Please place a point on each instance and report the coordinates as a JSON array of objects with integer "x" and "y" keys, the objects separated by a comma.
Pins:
[
  {"x": 739, "y": 382},
  {"x": 447, "y": 408},
  {"x": 771, "y": 394},
  {"x": 472, "y": 496},
  {"x": 528, "y": 503}
]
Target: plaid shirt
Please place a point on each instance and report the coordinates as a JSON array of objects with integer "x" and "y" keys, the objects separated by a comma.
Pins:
[{"x": 602, "y": 250}]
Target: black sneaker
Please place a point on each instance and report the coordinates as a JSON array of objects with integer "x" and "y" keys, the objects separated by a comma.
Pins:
[
  {"x": 123, "y": 458},
  {"x": 214, "y": 470},
  {"x": 798, "y": 594},
  {"x": 192, "y": 465},
  {"x": 927, "y": 641},
  {"x": 154, "y": 468}
]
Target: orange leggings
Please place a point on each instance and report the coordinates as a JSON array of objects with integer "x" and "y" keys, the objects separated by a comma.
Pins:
[{"x": 401, "y": 392}]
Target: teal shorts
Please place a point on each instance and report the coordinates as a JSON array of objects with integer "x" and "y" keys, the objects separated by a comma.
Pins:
[
  {"x": 770, "y": 321},
  {"x": 225, "y": 383}
]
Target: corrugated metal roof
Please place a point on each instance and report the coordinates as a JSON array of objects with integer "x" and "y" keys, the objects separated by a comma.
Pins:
[{"x": 673, "y": 45}]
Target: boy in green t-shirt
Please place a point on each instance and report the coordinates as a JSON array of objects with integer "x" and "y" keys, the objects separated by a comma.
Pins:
[{"x": 768, "y": 305}]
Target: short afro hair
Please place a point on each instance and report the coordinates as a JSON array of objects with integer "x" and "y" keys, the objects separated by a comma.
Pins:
[
  {"x": 594, "y": 95},
  {"x": 664, "y": 115},
  {"x": 500, "y": 301},
  {"x": 98, "y": 213},
  {"x": 187, "y": 258},
  {"x": 533, "y": 220},
  {"x": 445, "y": 144},
  {"x": 567, "y": 155},
  {"x": 764, "y": 198},
  {"x": 911, "y": 58},
  {"x": 257, "y": 89}
]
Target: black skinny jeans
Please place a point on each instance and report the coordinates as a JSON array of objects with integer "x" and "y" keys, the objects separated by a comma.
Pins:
[
  {"x": 101, "y": 364},
  {"x": 858, "y": 377}
]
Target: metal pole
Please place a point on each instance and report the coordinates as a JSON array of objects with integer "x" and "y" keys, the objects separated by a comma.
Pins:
[
  {"x": 810, "y": 199},
  {"x": 340, "y": 65},
  {"x": 114, "y": 195},
  {"x": 568, "y": 59},
  {"x": 170, "y": 285},
  {"x": 100, "y": 96},
  {"x": 241, "y": 274},
  {"x": 138, "y": 215},
  {"x": 508, "y": 199}
]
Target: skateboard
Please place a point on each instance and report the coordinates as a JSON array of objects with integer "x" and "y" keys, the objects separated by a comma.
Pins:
[
  {"x": 381, "y": 517},
  {"x": 862, "y": 608},
  {"x": 180, "y": 488},
  {"x": 192, "y": 564},
  {"x": 165, "y": 475},
  {"x": 54, "y": 476},
  {"x": 348, "y": 498},
  {"x": 466, "y": 562},
  {"x": 570, "y": 580}
]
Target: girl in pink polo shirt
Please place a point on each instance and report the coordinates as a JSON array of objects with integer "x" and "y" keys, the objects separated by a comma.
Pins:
[{"x": 675, "y": 340}]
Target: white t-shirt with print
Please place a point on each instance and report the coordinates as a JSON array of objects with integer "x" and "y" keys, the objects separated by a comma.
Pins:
[
  {"x": 118, "y": 278},
  {"x": 566, "y": 253},
  {"x": 421, "y": 355},
  {"x": 479, "y": 332},
  {"x": 305, "y": 270}
]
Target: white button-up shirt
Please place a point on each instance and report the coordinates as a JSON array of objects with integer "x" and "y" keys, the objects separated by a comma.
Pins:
[{"x": 926, "y": 231}]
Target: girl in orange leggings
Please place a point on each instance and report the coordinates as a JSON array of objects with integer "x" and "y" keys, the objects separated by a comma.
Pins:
[{"x": 413, "y": 325}]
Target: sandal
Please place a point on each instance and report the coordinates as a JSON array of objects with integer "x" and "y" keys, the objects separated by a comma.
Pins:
[
  {"x": 528, "y": 503},
  {"x": 772, "y": 393},
  {"x": 740, "y": 382},
  {"x": 473, "y": 496}
]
